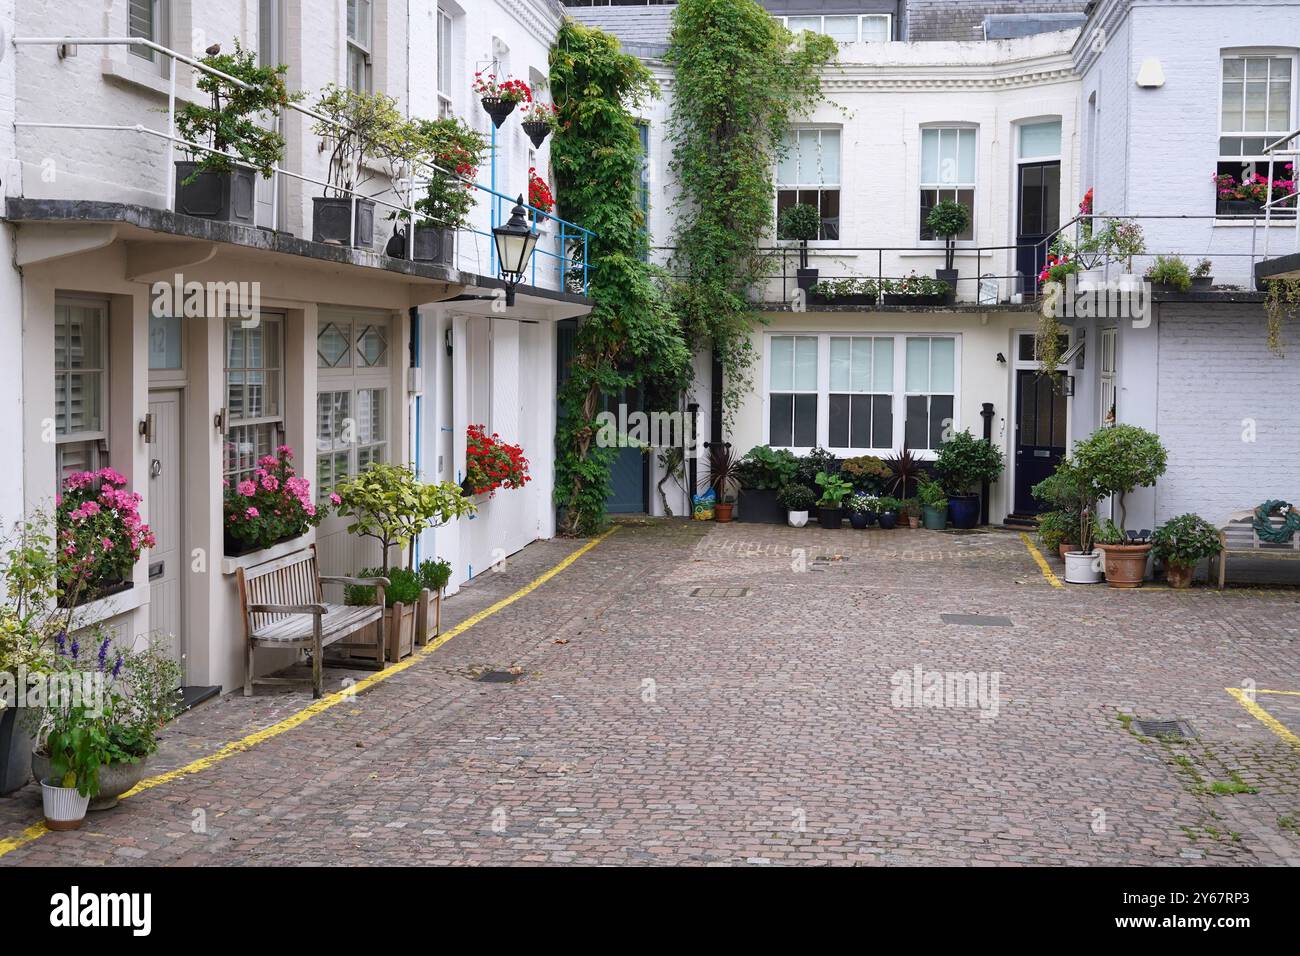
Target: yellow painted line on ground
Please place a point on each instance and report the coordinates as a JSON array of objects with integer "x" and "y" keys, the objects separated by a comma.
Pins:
[
  {"x": 1263, "y": 716},
  {"x": 1291, "y": 693},
  {"x": 1041, "y": 561},
  {"x": 37, "y": 830}
]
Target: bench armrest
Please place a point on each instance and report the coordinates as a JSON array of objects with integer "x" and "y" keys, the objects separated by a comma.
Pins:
[
  {"x": 358, "y": 582},
  {"x": 313, "y": 609}
]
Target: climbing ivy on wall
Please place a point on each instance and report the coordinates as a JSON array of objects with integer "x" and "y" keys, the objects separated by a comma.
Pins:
[
  {"x": 631, "y": 336},
  {"x": 740, "y": 79}
]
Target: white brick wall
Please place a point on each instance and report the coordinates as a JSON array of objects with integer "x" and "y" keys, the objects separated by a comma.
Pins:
[
  {"x": 1216, "y": 377},
  {"x": 11, "y": 416}
]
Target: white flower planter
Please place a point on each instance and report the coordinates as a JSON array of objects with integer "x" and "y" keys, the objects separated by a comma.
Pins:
[
  {"x": 797, "y": 519},
  {"x": 1083, "y": 568},
  {"x": 64, "y": 807}
]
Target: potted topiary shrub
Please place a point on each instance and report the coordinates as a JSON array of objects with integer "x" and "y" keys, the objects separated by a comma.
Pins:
[
  {"x": 220, "y": 182},
  {"x": 367, "y": 131},
  {"x": 1181, "y": 543},
  {"x": 801, "y": 223},
  {"x": 389, "y": 504},
  {"x": 1169, "y": 274},
  {"x": 797, "y": 500},
  {"x": 1115, "y": 461},
  {"x": 434, "y": 575},
  {"x": 761, "y": 474},
  {"x": 722, "y": 479},
  {"x": 1202, "y": 277},
  {"x": 965, "y": 463},
  {"x": 861, "y": 510},
  {"x": 889, "y": 511},
  {"x": 947, "y": 220},
  {"x": 934, "y": 503},
  {"x": 830, "y": 513}
]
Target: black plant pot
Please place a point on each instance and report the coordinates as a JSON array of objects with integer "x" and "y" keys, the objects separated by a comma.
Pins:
[
  {"x": 15, "y": 751},
  {"x": 1202, "y": 284},
  {"x": 759, "y": 506},
  {"x": 498, "y": 108},
  {"x": 226, "y": 197},
  {"x": 949, "y": 276},
  {"x": 872, "y": 518},
  {"x": 806, "y": 279},
  {"x": 331, "y": 221},
  {"x": 1238, "y": 207},
  {"x": 895, "y": 298},
  {"x": 434, "y": 244},
  {"x": 832, "y": 519},
  {"x": 537, "y": 131},
  {"x": 858, "y": 520},
  {"x": 888, "y": 519}
]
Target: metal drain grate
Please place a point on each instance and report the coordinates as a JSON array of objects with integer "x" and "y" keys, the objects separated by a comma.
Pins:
[
  {"x": 976, "y": 620},
  {"x": 720, "y": 592},
  {"x": 1177, "y": 729},
  {"x": 497, "y": 677}
]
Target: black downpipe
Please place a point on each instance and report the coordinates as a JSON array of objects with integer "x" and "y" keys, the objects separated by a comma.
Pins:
[
  {"x": 986, "y": 412},
  {"x": 715, "y": 411},
  {"x": 692, "y": 467}
]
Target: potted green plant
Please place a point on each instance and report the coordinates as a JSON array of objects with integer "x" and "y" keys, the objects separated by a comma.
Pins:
[
  {"x": 1180, "y": 543},
  {"x": 366, "y": 132},
  {"x": 722, "y": 479},
  {"x": 797, "y": 500},
  {"x": 761, "y": 474},
  {"x": 1169, "y": 274},
  {"x": 835, "y": 489},
  {"x": 862, "y": 510},
  {"x": 448, "y": 152},
  {"x": 389, "y": 504},
  {"x": 845, "y": 292},
  {"x": 434, "y": 574},
  {"x": 811, "y": 464},
  {"x": 866, "y": 473},
  {"x": 1115, "y": 461},
  {"x": 1202, "y": 276},
  {"x": 801, "y": 223},
  {"x": 890, "y": 508},
  {"x": 71, "y": 732},
  {"x": 964, "y": 464},
  {"x": 947, "y": 220},
  {"x": 220, "y": 182},
  {"x": 401, "y": 602},
  {"x": 934, "y": 503},
  {"x": 914, "y": 290}
]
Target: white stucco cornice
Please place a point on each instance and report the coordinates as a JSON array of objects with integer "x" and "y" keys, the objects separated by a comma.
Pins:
[{"x": 542, "y": 17}]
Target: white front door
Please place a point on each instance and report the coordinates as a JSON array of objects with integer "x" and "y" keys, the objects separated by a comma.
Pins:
[{"x": 166, "y": 558}]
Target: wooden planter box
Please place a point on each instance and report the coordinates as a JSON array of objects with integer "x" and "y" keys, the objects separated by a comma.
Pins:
[
  {"x": 428, "y": 617},
  {"x": 399, "y": 634}
]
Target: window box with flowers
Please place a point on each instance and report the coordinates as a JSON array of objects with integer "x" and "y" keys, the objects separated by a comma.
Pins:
[
  {"x": 100, "y": 536},
  {"x": 1246, "y": 197},
  {"x": 273, "y": 506},
  {"x": 540, "y": 196},
  {"x": 539, "y": 122},
  {"x": 500, "y": 97},
  {"x": 491, "y": 463}
]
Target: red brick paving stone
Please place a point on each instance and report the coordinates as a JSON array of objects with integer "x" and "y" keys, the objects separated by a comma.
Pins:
[{"x": 767, "y": 710}]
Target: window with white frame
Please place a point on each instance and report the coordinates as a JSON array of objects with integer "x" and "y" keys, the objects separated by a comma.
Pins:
[
  {"x": 353, "y": 356},
  {"x": 1107, "y": 377},
  {"x": 808, "y": 172},
  {"x": 947, "y": 172},
  {"x": 1257, "y": 106},
  {"x": 80, "y": 385},
  {"x": 792, "y": 391},
  {"x": 861, "y": 406},
  {"x": 844, "y": 28},
  {"x": 446, "y": 33},
  {"x": 360, "y": 33},
  {"x": 254, "y": 393},
  {"x": 149, "y": 20},
  {"x": 861, "y": 393}
]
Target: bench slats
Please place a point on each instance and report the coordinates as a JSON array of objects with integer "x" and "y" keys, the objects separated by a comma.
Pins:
[{"x": 337, "y": 622}]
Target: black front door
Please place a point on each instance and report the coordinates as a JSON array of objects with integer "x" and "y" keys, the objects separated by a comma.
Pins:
[
  {"x": 1040, "y": 433},
  {"x": 1039, "y": 216}
]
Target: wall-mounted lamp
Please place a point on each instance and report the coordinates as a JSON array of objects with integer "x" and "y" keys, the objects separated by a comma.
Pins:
[
  {"x": 146, "y": 428},
  {"x": 219, "y": 421},
  {"x": 1002, "y": 359}
]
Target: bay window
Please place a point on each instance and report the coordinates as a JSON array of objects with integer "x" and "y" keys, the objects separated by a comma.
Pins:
[
  {"x": 254, "y": 394},
  {"x": 947, "y": 172},
  {"x": 808, "y": 172},
  {"x": 861, "y": 393},
  {"x": 80, "y": 385},
  {"x": 352, "y": 355}
]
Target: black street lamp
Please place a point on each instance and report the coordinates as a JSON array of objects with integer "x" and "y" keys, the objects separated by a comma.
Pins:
[{"x": 515, "y": 242}]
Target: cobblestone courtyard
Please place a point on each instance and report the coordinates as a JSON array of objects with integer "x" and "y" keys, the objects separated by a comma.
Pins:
[{"x": 695, "y": 694}]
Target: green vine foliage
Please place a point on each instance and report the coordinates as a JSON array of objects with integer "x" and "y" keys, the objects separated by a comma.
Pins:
[
  {"x": 1282, "y": 302},
  {"x": 631, "y": 336},
  {"x": 740, "y": 78}
]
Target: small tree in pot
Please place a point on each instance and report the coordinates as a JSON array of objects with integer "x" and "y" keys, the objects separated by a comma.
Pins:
[
  {"x": 1181, "y": 543},
  {"x": 1115, "y": 461},
  {"x": 801, "y": 223},
  {"x": 947, "y": 220},
  {"x": 220, "y": 182},
  {"x": 965, "y": 463}
]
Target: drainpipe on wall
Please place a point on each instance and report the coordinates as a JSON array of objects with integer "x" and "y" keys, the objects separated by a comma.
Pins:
[
  {"x": 715, "y": 399},
  {"x": 692, "y": 467},
  {"x": 986, "y": 413}
]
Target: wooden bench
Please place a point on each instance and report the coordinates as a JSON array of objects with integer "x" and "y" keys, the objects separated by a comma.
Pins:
[
  {"x": 283, "y": 606},
  {"x": 1238, "y": 537}
]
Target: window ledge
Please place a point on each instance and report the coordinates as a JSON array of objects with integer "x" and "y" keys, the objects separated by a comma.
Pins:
[
  {"x": 1276, "y": 223},
  {"x": 230, "y": 565},
  {"x": 115, "y": 605},
  {"x": 145, "y": 75}
]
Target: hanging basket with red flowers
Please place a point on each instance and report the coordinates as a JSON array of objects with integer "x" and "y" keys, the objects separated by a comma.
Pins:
[
  {"x": 500, "y": 97},
  {"x": 539, "y": 121},
  {"x": 539, "y": 193},
  {"x": 491, "y": 463}
]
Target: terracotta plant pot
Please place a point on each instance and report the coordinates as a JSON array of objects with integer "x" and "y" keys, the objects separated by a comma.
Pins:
[
  {"x": 1180, "y": 575},
  {"x": 722, "y": 511},
  {"x": 1126, "y": 564}
]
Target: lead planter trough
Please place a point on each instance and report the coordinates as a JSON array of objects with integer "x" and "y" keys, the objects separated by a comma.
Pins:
[
  {"x": 224, "y": 196},
  {"x": 331, "y": 221},
  {"x": 15, "y": 751},
  {"x": 759, "y": 505}
]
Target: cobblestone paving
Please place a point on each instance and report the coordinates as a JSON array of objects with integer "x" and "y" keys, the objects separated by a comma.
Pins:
[{"x": 723, "y": 694}]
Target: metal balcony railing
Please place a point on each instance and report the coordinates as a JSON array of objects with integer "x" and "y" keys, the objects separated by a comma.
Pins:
[{"x": 569, "y": 257}]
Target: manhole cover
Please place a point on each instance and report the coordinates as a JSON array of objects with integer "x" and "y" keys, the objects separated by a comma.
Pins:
[
  {"x": 976, "y": 620},
  {"x": 497, "y": 677},
  {"x": 720, "y": 592},
  {"x": 1178, "y": 729}
]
